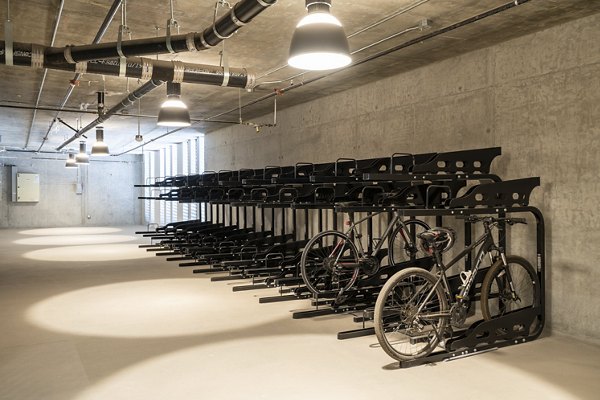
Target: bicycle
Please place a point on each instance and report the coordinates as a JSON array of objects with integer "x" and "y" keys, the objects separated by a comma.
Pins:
[
  {"x": 416, "y": 309},
  {"x": 333, "y": 261}
]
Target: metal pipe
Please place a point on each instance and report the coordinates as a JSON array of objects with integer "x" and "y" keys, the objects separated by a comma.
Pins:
[
  {"x": 382, "y": 53},
  {"x": 402, "y": 32},
  {"x": 27, "y": 54},
  {"x": 39, "y": 95},
  {"x": 133, "y": 97},
  {"x": 42, "y": 108},
  {"x": 149, "y": 141},
  {"x": 99, "y": 35},
  {"x": 107, "y": 20},
  {"x": 241, "y": 14}
]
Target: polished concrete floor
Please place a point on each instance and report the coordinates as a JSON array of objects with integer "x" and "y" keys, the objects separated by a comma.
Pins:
[{"x": 86, "y": 314}]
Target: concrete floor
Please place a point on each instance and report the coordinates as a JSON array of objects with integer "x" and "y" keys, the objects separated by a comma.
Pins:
[{"x": 106, "y": 320}]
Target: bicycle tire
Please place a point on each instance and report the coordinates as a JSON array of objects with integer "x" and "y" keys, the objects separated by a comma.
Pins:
[
  {"x": 318, "y": 268},
  {"x": 525, "y": 282},
  {"x": 399, "y": 250},
  {"x": 392, "y": 307}
]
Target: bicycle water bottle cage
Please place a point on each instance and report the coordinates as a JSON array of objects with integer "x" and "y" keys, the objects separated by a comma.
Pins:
[{"x": 437, "y": 240}]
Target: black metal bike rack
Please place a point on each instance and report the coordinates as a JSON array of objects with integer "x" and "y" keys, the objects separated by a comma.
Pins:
[{"x": 422, "y": 185}]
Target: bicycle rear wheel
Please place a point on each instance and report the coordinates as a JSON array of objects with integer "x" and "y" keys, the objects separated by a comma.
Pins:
[
  {"x": 509, "y": 288},
  {"x": 403, "y": 244},
  {"x": 410, "y": 314},
  {"x": 321, "y": 263}
]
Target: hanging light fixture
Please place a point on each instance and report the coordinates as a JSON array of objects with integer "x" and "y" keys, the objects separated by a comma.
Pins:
[
  {"x": 82, "y": 157},
  {"x": 173, "y": 111},
  {"x": 319, "y": 41},
  {"x": 71, "y": 161},
  {"x": 100, "y": 148}
]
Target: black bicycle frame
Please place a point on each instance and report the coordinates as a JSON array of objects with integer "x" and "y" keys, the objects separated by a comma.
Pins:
[{"x": 487, "y": 243}]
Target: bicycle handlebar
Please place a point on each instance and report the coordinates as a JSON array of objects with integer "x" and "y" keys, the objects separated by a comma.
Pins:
[{"x": 476, "y": 218}]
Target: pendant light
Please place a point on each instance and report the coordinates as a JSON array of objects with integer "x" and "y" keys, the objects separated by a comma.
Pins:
[
  {"x": 82, "y": 157},
  {"x": 100, "y": 148},
  {"x": 71, "y": 161},
  {"x": 173, "y": 111},
  {"x": 319, "y": 41}
]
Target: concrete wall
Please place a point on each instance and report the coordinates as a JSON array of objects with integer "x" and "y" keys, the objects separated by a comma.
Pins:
[
  {"x": 537, "y": 96},
  {"x": 108, "y": 195}
]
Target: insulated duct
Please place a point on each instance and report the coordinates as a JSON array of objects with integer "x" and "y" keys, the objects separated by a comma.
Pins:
[
  {"x": 129, "y": 100},
  {"x": 242, "y": 13},
  {"x": 99, "y": 35},
  {"x": 32, "y": 55}
]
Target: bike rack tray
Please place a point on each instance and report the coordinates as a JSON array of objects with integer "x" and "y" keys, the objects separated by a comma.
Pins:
[{"x": 507, "y": 193}]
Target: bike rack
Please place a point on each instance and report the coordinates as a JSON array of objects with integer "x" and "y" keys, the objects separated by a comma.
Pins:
[{"x": 420, "y": 185}]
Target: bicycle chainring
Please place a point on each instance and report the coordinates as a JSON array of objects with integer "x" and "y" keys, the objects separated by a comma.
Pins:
[
  {"x": 369, "y": 265},
  {"x": 458, "y": 314}
]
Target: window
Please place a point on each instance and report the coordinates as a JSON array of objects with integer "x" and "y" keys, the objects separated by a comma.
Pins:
[{"x": 185, "y": 158}]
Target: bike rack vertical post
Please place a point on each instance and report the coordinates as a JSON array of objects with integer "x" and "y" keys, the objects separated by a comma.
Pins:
[
  {"x": 370, "y": 233},
  {"x": 541, "y": 259},
  {"x": 294, "y": 221},
  {"x": 335, "y": 221},
  {"x": 468, "y": 241},
  {"x": 306, "y": 223},
  {"x": 320, "y": 220},
  {"x": 283, "y": 227},
  {"x": 502, "y": 229}
]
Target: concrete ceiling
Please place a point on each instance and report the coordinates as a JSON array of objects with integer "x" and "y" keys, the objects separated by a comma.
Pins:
[{"x": 260, "y": 47}]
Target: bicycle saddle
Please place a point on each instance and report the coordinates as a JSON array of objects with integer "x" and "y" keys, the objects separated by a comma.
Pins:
[{"x": 437, "y": 240}]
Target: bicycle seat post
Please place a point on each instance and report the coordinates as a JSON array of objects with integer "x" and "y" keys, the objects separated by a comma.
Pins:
[{"x": 350, "y": 218}]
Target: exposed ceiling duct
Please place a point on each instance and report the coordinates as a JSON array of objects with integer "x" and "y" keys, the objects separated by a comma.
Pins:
[
  {"x": 99, "y": 35},
  {"x": 127, "y": 101},
  {"x": 31, "y": 55},
  {"x": 39, "y": 95},
  {"x": 242, "y": 13}
]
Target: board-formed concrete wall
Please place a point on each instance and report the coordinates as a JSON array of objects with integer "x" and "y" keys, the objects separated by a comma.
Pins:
[
  {"x": 538, "y": 97},
  {"x": 107, "y": 193}
]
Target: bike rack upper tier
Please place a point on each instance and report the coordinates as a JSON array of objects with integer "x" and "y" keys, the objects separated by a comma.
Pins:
[{"x": 506, "y": 193}]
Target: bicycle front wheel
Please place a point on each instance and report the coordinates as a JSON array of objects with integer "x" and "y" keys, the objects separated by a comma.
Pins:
[
  {"x": 410, "y": 314},
  {"x": 322, "y": 262},
  {"x": 508, "y": 288}
]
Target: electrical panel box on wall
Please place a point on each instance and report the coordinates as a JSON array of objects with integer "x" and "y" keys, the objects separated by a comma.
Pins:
[{"x": 28, "y": 187}]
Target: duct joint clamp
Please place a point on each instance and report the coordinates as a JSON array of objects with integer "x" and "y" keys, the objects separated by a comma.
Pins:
[
  {"x": 67, "y": 55},
  {"x": 81, "y": 67},
  {"x": 178, "y": 71},
  {"x": 147, "y": 68},
  {"x": 226, "y": 74},
  {"x": 265, "y": 4},
  {"x": 204, "y": 42},
  {"x": 217, "y": 34},
  {"x": 250, "y": 81},
  {"x": 235, "y": 19},
  {"x": 37, "y": 56},
  {"x": 189, "y": 41}
]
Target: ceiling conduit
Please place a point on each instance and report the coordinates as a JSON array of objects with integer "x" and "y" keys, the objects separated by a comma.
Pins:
[
  {"x": 31, "y": 55},
  {"x": 127, "y": 101},
  {"x": 41, "y": 89},
  {"x": 241, "y": 14},
  {"x": 99, "y": 35}
]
